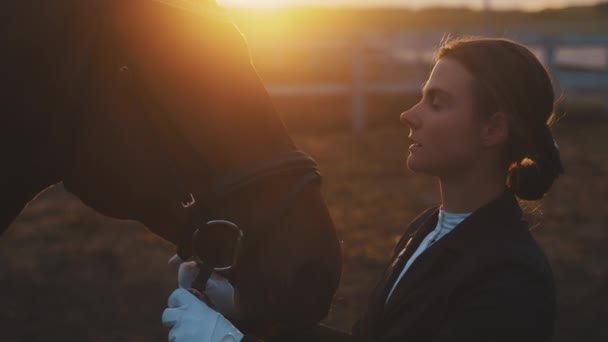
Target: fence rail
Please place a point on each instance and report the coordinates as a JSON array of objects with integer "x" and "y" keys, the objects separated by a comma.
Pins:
[{"x": 391, "y": 52}]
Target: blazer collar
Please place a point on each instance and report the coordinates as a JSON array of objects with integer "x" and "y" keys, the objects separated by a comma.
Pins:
[{"x": 491, "y": 221}]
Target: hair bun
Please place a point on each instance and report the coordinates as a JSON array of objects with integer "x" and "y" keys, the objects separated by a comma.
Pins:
[
  {"x": 530, "y": 179},
  {"x": 527, "y": 182}
]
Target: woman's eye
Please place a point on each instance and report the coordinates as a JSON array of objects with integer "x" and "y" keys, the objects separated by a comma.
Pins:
[{"x": 434, "y": 102}]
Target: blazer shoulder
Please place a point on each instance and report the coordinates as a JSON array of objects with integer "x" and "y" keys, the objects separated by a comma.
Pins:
[
  {"x": 521, "y": 245},
  {"x": 515, "y": 263},
  {"x": 517, "y": 251}
]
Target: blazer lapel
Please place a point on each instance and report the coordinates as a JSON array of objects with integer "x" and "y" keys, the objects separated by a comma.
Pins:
[
  {"x": 480, "y": 227},
  {"x": 423, "y": 267},
  {"x": 406, "y": 247}
]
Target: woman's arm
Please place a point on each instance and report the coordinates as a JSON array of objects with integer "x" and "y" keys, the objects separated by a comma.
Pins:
[{"x": 508, "y": 305}]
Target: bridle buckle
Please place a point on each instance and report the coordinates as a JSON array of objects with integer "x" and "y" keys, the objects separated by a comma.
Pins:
[{"x": 197, "y": 242}]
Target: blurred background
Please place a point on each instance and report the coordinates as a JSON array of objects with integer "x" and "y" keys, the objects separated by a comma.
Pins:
[{"x": 340, "y": 73}]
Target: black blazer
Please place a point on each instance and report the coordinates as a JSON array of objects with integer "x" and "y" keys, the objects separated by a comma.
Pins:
[{"x": 487, "y": 280}]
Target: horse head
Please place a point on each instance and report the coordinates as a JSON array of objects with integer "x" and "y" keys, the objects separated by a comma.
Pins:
[{"x": 154, "y": 112}]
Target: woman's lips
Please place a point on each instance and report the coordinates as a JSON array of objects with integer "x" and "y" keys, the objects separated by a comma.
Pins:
[{"x": 415, "y": 145}]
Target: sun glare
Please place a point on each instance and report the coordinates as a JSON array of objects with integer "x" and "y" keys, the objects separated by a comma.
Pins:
[{"x": 268, "y": 4}]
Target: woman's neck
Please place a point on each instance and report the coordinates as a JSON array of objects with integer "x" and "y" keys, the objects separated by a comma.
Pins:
[{"x": 470, "y": 191}]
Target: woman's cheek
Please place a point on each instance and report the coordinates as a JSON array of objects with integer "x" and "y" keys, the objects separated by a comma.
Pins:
[{"x": 442, "y": 154}]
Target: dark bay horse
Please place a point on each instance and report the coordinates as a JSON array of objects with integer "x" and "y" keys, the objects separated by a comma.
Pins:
[{"x": 142, "y": 106}]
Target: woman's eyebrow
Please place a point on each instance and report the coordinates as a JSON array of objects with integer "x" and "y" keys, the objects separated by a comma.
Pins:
[{"x": 436, "y": 91}]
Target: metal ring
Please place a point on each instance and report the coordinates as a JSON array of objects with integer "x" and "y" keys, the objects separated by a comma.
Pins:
[{"x": 237, "y": 248}]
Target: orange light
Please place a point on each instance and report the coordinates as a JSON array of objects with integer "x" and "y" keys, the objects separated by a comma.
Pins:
[{"x": 259, "y": 4}]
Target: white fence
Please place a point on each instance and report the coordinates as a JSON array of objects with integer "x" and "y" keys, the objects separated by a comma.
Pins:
[{"x": 578, "y": 63}]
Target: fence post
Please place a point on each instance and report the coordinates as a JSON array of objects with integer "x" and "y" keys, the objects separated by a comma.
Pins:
[
  {"x": 605, "y": 46},
  {"x": 359, "y": 121},
  {"x": 549, "y": 47}
]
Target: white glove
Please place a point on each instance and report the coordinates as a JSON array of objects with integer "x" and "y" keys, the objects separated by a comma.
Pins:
[
  {"x": 219, "y": 290},
  {"x": 191, "y": 320}
]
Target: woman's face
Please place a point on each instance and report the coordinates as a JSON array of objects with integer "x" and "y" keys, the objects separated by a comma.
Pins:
[{"x": 444, "y": 130}]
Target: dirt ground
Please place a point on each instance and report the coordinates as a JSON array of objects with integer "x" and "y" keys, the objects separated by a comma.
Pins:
[{"x": 70, "y": 274}]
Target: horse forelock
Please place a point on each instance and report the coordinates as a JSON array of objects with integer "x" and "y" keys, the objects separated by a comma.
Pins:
[{"x": 204, "y": 8}]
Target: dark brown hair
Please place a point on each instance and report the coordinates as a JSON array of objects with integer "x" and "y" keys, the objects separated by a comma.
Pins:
[{"x": 510, "y": 79}]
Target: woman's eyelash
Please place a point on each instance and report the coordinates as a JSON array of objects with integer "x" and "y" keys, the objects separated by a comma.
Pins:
[{"x": 432, "y": 100}]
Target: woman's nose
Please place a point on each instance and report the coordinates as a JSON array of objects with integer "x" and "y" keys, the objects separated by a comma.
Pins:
[{"x": 410, "y": 118}]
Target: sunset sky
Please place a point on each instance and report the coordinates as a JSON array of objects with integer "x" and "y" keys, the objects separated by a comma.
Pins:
[{"x": 522, "y": 4}]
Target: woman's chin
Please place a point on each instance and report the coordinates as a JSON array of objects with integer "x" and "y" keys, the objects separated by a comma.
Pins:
[
  {"x": 413, "y": 164},
  {"x": 418, "y": 165}
]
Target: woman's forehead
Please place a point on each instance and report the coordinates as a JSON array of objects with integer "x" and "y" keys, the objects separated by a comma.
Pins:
[{"x": 451, "y": 77}]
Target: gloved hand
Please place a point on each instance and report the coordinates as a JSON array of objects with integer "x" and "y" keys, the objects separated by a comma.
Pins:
[
  {"x": 219, "y": 290},
  {"x": 191, "y": 320}
]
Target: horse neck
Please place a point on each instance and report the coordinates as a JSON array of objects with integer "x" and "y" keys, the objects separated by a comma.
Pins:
[
  {"x": 258, "y": 131},
  {"x": 20, "y": 183},
  {"x": 37, "y": 125},
  {"x": 33, "y": 147}
]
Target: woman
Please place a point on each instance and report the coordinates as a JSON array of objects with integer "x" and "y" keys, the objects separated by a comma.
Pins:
[{"x": 467, "y": 270}]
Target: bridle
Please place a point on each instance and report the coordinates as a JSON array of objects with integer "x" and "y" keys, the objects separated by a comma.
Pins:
[
  {"x": 225, "y": 187},
  {"x": 231, "y": 185}
]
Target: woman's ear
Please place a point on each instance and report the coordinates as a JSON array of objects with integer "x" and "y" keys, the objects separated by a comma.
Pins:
[{"x": 495, "y": 130}]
